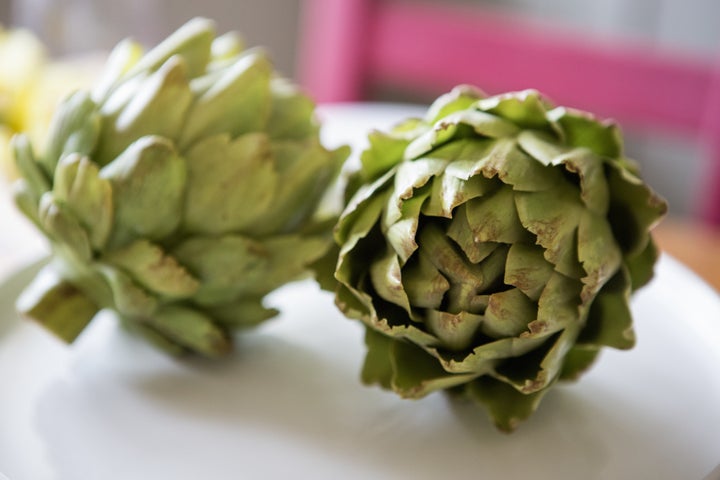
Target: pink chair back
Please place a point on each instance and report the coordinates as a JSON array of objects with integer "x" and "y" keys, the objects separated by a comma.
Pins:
[{"x": 348, "y": 45}]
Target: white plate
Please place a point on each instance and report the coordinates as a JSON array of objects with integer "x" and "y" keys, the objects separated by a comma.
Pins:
[{"x": 289, "y": 404}]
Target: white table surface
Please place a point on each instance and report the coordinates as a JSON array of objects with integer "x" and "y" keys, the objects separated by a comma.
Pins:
[{"x": 289, "y": 404}]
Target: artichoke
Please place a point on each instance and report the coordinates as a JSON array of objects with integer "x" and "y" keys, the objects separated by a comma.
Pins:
[
  {"x": 178, "y": 193},
  {"x": 490, "y": 249}
]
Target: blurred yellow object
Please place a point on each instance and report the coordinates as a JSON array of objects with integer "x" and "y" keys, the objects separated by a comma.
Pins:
[
  {"x": 31, "y": 85},
  {"x": 22, "y": 57}
]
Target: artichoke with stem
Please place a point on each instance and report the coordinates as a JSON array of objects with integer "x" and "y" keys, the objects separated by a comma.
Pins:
[
  {"x": 491, "y": 248},
  {"x": 179, "y": 192}
]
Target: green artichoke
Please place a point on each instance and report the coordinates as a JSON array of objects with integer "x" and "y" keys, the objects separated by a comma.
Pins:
[
  {"x": 179, "y": 192},
  {"x": 490, "y": 249}
]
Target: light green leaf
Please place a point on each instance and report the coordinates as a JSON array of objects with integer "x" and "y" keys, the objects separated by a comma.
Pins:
[
  {"x": 438, "y": 249},
  {"x": 121, "y": 59},
  {"x": 74, "y": 129},
  {"x": 387, "y": 280},
  {"x": 482, "y": 123},
  {"x": 231, "y": 267},
  {"x": 459, "y": 98},
  {"x": 447, "y": 193},
  {"x": 231, "y": 183},
  {"x": 590, "y": 169},
  {"x": 508, "y": 314},
  {"x": 424, "y": 285},
  {"x": 598, "y": 253},
  {"x": 225, "y": 47},
  {"x": 527, "y": 269},
  {"x": 541, "y": 146},
  {"x": 385, "y": 151},
  {"x": 492, "y": 269},
  {"x": 237, "y": 103},
  {"x": 242, "y": 313},
  {"x": 517, "y": 169},
  {"x": 396, "y": 323},
  {"x": 290, "y": 256},
  {"x": 461, "y": 232},
  {"x": 158, "y": 107},
  {"x": 559, "y": 305},
  {"x": 148, "y": 182},
  {"x": 447, "y": 128},
  {"x": 554, "y": 216},
  {"x": 494, "y": 218},
  {"x": 191, "y": 329},
  {"x": 366, "y": 203},
  {"x": 484, "y": 358},
  {"x": 154, "y": 269},
  {"x": 36, "y": 178},
  {"x": 455, "y": 331},
  {"x": 292, "y": 115},
  {"x": 401, "y": 234},
  {"x": 408, "y": 177},
  {"x": 128, "y": 298},
  {"x": 582, "y": 129},
  {"x": 227, "y": 266},
  {"x": 26, "y": 200},
  {"x": 63, "y": 228},
  {"x": 467, "y": 280},
  {"x": 78, "y": 186},
  {"x": 192, "y": 42},
  {"x": 305, "y": 170},
  {"x": 526, "y": 108}
]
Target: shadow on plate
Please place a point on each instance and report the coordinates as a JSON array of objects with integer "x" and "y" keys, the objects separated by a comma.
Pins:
[{"x": 289, "y": 404}]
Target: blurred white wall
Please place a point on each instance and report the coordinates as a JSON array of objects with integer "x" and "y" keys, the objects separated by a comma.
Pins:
[
  {"x": 72, "y": 26},
  {"x": 691, "y": 26}
]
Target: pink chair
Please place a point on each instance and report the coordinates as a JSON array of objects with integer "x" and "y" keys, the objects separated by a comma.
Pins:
[{"x": 349, "y": 45}]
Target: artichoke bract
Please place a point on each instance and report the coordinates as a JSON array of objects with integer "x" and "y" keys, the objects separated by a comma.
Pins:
[
  {"x": 491, "y": 248},
  {"x": 179, "y": 192}
]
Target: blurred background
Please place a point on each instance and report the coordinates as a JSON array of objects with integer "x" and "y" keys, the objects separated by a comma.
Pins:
[
  {"x": 691, "y": 27},
  {"x": 71, "y": 26},
  {"x": 687, "y": 28}
]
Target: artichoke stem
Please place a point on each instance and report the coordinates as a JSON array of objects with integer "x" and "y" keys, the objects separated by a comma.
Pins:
[{"x": 57, "y": 305}]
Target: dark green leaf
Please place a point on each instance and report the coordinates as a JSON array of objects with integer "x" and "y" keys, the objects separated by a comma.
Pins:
[
  {"x": 415, "y": 373},
  {"x": 506, "y": 406},
  {"x": 582, "y": 129}
]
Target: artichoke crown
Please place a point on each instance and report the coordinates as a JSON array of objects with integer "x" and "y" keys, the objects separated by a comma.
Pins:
[
  {"x": 178, "y": 192},
  {"x": 491, "y": 248}
]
